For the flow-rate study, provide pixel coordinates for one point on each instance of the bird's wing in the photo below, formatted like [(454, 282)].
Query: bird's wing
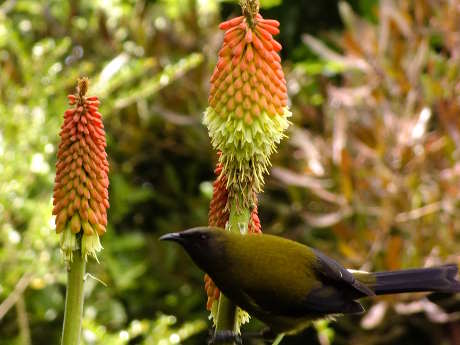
[(319, 303), (334, 293), (332, 273)]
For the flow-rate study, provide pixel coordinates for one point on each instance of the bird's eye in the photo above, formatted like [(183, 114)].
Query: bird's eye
[(203, 237)]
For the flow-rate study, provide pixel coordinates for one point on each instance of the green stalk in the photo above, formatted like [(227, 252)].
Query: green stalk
[(74, 301), (226, 313)]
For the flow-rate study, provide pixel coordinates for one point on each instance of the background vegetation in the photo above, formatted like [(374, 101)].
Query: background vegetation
[(370, 174)]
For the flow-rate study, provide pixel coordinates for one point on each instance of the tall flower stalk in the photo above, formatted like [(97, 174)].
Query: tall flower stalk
[(80, 198), (246, 119)]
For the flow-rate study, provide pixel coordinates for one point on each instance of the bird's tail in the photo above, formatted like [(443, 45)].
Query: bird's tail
[(434, 279)]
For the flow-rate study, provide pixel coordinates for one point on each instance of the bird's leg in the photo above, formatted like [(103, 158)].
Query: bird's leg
[(266, 334), (220, 337)]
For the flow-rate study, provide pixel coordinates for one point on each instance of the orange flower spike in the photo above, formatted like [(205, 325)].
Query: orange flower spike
[(80, 191), (247, 77)]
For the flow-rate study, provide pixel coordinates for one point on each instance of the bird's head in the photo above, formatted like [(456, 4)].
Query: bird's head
[(205, 245)]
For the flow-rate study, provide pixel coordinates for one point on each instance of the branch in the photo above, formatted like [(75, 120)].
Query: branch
[(418, 212), (19, 289), (23, 322)]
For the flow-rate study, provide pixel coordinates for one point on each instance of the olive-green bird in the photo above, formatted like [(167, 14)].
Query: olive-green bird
[(287, 285)]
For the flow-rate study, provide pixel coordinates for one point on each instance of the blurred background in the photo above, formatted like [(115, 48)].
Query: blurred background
[(370, 173)]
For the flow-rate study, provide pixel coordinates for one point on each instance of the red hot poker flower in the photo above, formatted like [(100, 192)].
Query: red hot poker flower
[(247, 113), (81, 184)]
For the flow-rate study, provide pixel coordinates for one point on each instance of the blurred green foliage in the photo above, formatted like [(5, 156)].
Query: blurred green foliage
[(374, 179)]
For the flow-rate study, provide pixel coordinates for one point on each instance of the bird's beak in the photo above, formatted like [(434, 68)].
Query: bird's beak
[(174, 236)]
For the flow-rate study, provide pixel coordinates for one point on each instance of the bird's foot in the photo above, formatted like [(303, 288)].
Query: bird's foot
[(266, 335), (220, 337)]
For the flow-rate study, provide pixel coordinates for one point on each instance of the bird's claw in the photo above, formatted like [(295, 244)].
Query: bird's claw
[(220, 337)]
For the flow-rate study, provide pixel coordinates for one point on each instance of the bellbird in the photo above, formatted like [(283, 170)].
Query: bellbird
[(288, 285)]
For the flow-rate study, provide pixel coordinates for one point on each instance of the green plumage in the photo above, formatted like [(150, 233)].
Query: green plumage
[(287, 285), (256, 271)]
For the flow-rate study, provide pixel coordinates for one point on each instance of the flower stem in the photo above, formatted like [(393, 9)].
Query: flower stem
[(250, 8), (226, 313), (74, 301)]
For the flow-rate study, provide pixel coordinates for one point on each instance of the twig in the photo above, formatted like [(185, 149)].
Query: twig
[(328, 219), (19, 289), (7, 7), (23, 321), (316, 186), (418, 212), (175, 118), (328, 54)]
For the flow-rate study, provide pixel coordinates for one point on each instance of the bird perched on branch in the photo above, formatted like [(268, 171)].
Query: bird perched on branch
[(288, 285)]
